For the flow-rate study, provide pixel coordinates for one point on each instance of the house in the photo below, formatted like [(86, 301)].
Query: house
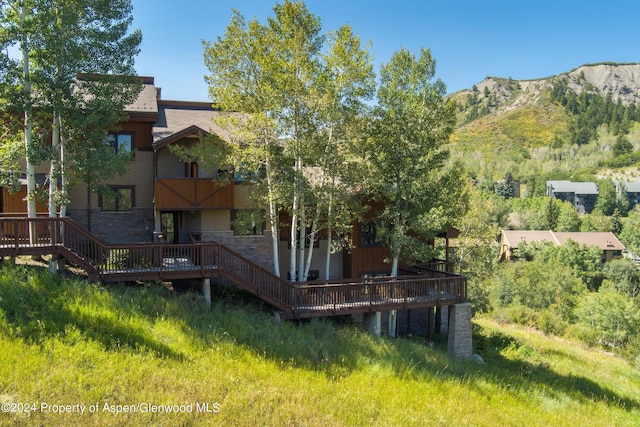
[(582, 195), (161, 197), (163, 201), (630, 189), (607, 242)]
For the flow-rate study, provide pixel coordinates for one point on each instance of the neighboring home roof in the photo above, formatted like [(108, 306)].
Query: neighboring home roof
[(513, 238), (573, 187), (630, 186), (603, 240), (607, 241), (177, 120)]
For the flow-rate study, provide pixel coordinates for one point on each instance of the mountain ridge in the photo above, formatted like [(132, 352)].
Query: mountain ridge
[(528, 128), (622, 80)]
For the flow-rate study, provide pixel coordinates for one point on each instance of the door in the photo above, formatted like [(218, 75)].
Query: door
[(170, 226)]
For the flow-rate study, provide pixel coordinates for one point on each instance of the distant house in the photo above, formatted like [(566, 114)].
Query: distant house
[(609, 244), (582, 195), (632, 190)]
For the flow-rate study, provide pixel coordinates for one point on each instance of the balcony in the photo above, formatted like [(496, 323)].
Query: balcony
[(192, 194)]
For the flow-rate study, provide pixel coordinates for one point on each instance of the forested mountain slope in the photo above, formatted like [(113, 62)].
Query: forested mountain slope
[(567, 124)]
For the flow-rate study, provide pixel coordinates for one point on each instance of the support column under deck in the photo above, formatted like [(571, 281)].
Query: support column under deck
[(460, 341), (372, 323), (392, 323), (442, 320), (206, 291)]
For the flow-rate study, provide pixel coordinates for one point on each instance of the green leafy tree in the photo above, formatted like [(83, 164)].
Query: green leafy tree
[(406, 158), (18, 31), (58, 40), (301, 101), (596, 221), (477, 248), (607, 201), (630, 234), (539, 284), (89, 38), (608, 317), (568, 218), (623, 275)]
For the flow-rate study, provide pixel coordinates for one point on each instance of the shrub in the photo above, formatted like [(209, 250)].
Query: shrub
[(523, 315), (551, 322)]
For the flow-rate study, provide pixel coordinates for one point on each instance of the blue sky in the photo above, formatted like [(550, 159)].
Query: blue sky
[(469, 39)]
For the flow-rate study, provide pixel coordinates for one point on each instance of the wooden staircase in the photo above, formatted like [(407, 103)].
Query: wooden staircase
[(62, 237)]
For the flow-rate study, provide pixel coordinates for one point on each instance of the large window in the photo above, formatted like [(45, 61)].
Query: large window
[(121, 142), (372, 234), (118, 199), (248, 222)]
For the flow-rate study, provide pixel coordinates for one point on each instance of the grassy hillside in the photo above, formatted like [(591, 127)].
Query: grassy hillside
[(67, 342)]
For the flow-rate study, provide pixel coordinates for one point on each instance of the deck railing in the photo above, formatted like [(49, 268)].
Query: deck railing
[(153, 261), (378, 294)]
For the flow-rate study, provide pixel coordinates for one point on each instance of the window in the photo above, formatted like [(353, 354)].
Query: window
[(372, 234), (248, 222), (118, 199), (120, 142)]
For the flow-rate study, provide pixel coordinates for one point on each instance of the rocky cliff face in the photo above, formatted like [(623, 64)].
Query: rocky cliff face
[(622, 81)]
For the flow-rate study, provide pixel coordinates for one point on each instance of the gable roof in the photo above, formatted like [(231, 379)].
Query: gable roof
[(607, 241), (177, 120), (603, 240), (513, 238), (573, 187)]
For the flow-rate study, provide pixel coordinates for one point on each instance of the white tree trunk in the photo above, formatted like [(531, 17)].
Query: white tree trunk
[(54, 167), (395, 247), (63, 176), (294, 231), (312, 238), (28, 120), (302, 243), (273, 217), (327, 261)]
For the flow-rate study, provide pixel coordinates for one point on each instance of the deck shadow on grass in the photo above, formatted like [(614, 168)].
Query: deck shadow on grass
[(337, 348), (39, 309), (42, 307)]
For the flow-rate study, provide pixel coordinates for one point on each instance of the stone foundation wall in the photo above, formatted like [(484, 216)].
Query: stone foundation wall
[(134, 226), (256, 248)]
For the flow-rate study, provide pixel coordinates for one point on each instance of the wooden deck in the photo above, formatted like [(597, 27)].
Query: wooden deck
[(156, 261)]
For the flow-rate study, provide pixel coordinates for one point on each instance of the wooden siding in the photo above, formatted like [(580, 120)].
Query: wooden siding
[(142, 134), (16, 202), (192, 194)]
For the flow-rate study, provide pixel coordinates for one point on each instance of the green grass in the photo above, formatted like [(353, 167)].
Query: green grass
[(64, 341)]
